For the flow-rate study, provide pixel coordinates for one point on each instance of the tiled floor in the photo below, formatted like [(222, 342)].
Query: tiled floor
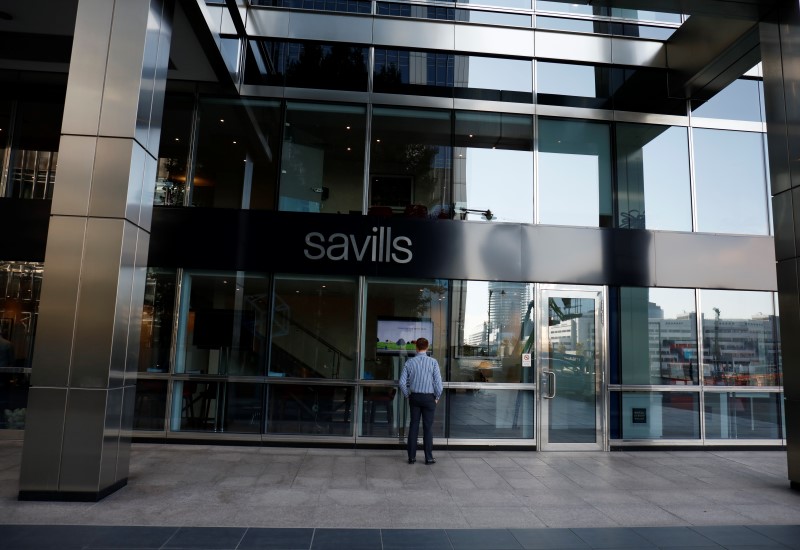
[(260, 497)]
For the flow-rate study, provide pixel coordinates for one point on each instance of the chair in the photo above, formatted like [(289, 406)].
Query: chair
[(374, 398)]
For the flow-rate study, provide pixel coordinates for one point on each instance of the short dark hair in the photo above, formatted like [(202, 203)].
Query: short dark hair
[(422, 344)]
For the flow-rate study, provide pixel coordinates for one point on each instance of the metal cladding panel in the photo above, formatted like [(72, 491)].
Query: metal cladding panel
[(268, 23), (136, 182), (148, 71), (494, 40), (775, 106), (82, 451), (98, 304), (715, 261), (87, 68), (160, 84), (790, 228), (790, 57), (123, 314), (75, 169), (137, 305), (639, 53), (419, 35), (44, 432), (428, 102), (562, 254), (126, 431), (111, 439), (784, 224), (793, 438), (123, 83), (572, 47), (327, 27), (148, 193), (117, 158), (52, 354), (789, 307)]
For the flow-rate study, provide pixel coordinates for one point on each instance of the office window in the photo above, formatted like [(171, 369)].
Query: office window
[(742, 99), (494, 78), (34, 148), (491, 414), (265, 62), (493, 167), (653, 187), (574, 166), (314, 327), (654, 415), (237, 150), (731, 184), (310, 409), (322, 159), (741, 345), (564, 7), (573, 85), (173, 150), (327, 66), (410, 163), (394, 9), (492, 326), (211, 406), (493, 18), (414, 72), (397, 314), (157, 320), (346, 6), (222, 326), (743, 415), (150, 406), (657, 337), (521, 4)]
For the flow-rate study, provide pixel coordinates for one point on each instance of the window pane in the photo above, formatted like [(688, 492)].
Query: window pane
[(570, 80), (310, 409), (265, 62), (572, 25), (658, 336), (493, 169), (494, 79), (223, 324), (574, 173), (741, 345), (493, 18), (522, 4), (419, 12), (314, 328), (414, 72), (34, 155), (743, 415), (383, 411), (316, 65), (740, 100), (173, 150), (322, 161), (157, 320), (491, 414), (20, 289), (236, 153), (563, 7), (217, 406), (151, 405), (399, 312), (645, 415), (492, 328), (410, 163), (653, 186), (730, 182), (13, 398), (646, 15)]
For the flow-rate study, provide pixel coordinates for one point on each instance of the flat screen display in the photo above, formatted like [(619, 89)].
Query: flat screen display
[(398, 336)]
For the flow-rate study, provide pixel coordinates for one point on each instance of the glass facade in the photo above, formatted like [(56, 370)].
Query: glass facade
[(435, 136)]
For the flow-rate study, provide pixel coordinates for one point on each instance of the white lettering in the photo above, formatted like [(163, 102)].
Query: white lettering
[(401, 249), (319, 247), (334, 246), (359, 253)]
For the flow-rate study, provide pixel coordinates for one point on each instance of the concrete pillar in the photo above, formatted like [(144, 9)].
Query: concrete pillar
[(80, 408), (780, 52)]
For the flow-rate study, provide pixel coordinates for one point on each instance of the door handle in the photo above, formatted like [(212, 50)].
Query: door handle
[(551, 385)]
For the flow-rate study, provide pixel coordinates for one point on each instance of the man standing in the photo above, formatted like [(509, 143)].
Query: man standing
[(421, 384)]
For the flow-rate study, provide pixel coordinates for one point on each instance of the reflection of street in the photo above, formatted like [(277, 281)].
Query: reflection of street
[(491, 414), (572, 420)]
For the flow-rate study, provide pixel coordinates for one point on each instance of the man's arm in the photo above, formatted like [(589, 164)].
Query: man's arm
[(404, 381), (438, 387)]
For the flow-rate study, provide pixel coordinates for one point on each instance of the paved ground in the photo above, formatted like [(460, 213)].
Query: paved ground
[(527, 499)]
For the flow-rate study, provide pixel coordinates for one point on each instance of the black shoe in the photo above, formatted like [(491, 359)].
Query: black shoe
[(412, 460), (430, 461)]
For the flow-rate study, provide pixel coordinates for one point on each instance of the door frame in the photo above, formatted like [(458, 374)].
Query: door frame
[(600, 294)]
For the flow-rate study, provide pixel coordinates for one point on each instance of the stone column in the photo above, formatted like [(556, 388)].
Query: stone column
[(83, 383), (780, 52)]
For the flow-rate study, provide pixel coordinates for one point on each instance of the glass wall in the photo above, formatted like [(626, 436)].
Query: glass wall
[(574, 166), (654, 415), (20, 289), (322, 161)]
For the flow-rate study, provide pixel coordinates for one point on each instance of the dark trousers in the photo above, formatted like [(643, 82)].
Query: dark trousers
[(424, 405)]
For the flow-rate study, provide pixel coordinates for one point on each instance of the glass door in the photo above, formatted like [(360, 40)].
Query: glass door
[(570, 366)]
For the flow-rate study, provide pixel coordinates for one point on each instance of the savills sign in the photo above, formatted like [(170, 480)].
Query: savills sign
[(379, 247)]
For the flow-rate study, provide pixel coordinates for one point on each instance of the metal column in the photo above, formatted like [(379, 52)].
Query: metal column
[(80, 410)]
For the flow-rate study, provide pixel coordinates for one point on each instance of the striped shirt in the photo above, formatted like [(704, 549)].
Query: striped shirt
[(421, 375)]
